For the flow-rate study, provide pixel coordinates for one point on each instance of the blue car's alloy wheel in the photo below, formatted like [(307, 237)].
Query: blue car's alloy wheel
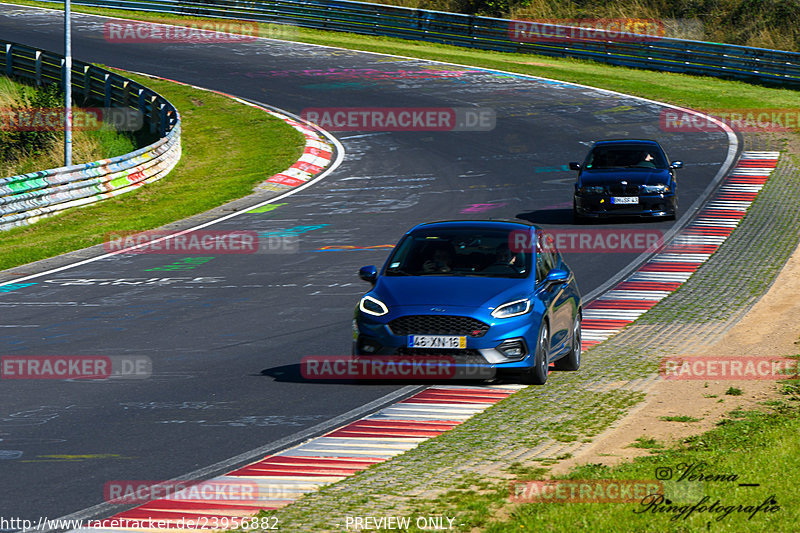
[(537, 375), (572, 361)]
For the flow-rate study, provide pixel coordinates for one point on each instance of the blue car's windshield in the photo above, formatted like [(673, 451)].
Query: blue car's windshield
[(626, 156), (459, 252)]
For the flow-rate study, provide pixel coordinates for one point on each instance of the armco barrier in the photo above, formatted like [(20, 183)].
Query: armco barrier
[(655, 53), (26, 198)]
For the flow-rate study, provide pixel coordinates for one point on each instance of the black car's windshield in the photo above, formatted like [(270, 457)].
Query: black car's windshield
[(459, 252), (626, 156)]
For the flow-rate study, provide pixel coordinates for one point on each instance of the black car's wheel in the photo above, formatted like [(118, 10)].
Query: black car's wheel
[(572, 361), (537, 374), (577, 218)]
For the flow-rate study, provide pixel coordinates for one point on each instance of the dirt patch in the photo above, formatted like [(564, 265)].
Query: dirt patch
[(770, 328)]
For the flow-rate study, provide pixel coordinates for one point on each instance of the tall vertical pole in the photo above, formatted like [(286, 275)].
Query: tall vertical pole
[(67, 86)]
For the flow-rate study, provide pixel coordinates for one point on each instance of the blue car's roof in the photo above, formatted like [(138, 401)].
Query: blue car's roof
[(509, 225)]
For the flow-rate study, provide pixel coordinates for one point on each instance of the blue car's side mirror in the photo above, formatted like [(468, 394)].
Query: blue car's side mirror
[(676, 164), (368, 273), (574, 166), (556, 277)]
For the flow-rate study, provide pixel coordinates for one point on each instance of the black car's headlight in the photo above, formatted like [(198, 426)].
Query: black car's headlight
[(655, 189), (591, 190), (372, 306), (510, 309)]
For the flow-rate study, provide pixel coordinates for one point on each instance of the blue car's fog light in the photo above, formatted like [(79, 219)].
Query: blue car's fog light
[(513, 349), (368, 346)]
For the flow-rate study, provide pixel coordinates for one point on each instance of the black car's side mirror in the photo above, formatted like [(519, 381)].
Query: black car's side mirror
[(574, 166), (676, 164), (368, 273)]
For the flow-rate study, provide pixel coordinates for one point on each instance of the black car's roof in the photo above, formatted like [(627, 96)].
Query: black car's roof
[(612, 142)]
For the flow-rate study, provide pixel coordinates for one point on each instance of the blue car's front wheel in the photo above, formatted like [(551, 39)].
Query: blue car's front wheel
[(572, 361), (537, 374)]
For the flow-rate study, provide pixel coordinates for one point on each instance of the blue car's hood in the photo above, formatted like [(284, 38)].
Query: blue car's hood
[(454, 291), (634, 176)]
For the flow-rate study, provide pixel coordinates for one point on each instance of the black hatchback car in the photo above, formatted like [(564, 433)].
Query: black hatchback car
[(625, 178)]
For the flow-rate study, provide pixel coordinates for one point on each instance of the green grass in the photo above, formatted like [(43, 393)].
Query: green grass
[(681, 418), (752, 445), (227, 148), (87, 144), (746, 447)]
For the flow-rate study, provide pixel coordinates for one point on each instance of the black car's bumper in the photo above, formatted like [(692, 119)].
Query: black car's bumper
[(655, 205)]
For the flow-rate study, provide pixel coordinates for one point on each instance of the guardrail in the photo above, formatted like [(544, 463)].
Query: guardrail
[(652, 52), (26, 198)]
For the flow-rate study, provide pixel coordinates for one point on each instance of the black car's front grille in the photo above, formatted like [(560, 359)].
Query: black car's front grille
[(438, 325), (618, 189)]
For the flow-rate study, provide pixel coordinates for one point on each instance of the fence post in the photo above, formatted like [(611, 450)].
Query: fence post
[(107, 90), (87, 82), (9, 59), (38, 67)]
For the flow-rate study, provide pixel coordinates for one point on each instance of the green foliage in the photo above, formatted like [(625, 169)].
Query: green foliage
[(16, 142), (112, 142)]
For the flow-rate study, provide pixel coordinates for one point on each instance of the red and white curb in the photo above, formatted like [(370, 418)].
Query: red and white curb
[(672, 266), (317, 152), (316, 156), (284, 477)]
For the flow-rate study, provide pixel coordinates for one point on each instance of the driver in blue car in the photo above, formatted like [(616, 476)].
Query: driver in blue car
[(442, 260)]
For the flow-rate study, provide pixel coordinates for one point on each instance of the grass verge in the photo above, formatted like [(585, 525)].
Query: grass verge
[(87, 145), (227, 148), (748, 447)]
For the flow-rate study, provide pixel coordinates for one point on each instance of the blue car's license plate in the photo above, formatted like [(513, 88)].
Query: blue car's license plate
[(446, 342)]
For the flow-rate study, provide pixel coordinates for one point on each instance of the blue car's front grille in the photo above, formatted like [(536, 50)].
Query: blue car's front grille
[(438, 325), (462, 356)]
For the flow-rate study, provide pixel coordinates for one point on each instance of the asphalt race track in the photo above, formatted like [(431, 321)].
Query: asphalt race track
[(225, 338)]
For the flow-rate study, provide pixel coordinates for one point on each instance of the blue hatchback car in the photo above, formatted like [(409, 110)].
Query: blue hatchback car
[(488, 293)]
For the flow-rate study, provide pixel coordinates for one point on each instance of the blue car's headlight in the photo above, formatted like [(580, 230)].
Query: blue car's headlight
[(655, 189), (372, 306), (515, 308), (591, 190)]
